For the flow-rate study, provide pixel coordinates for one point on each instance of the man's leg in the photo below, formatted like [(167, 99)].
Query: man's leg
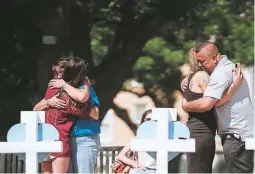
[(87, 151), (238, 159)]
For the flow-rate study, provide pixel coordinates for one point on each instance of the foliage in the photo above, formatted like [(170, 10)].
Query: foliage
[(159, 68), (145, 40), (231, 23)]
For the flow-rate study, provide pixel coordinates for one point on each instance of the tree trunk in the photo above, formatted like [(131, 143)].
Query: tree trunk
[(54, 23), (129, 40), (111, 74), (80, 32)]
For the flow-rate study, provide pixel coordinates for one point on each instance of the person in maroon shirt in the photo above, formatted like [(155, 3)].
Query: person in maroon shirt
[(63, 118)]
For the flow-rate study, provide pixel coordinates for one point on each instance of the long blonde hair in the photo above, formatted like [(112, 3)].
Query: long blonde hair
[(194, 66)]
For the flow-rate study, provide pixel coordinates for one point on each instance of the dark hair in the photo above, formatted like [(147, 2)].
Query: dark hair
[(201, 45), (61, 63), (75, 71), (145, 114)]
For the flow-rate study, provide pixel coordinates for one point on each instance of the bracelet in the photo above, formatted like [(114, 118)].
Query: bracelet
[(48, 104), (62, 88)]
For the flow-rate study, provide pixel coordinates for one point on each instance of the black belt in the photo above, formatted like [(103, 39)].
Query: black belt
[(230, 136)]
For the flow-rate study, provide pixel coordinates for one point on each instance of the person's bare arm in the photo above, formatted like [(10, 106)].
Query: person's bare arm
[(226, 96), (74, 108), (78, 95), (94, 114), (184, 84), (124, 159), (203, 80), (200, 105), (237, 81), (41, 106), (54, 102), (219, 81)]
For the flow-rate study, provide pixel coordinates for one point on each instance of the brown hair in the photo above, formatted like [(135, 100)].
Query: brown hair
[(61, 63), (145, 114), (75, 71)]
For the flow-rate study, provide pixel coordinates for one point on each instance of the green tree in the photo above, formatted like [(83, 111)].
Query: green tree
[(231, 25), (145, 40)]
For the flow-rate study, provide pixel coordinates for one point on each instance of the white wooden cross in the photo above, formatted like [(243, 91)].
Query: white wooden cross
[(31, 147), (250, 144), (162, 145)]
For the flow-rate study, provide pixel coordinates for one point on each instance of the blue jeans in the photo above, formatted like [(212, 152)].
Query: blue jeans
[(84, 151), (144, 170)]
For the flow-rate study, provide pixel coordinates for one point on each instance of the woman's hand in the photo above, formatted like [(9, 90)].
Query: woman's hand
[(54, 102), (94, 114), (56, 83), (184, 84), (237, 77), (115, 165)]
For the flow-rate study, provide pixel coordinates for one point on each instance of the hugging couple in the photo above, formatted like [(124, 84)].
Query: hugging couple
[(72, 107), (217, 98)]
